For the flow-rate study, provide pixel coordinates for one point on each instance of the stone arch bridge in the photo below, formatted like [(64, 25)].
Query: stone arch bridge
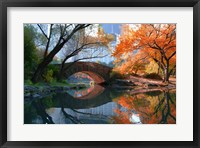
[(98, 72)]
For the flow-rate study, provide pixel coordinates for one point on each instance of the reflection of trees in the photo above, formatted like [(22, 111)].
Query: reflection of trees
[(40, 109), (75, 119), (151, 109), (122, 117), (41, 106), (68, 116), (29, 113), (166, 111), (78, 121)]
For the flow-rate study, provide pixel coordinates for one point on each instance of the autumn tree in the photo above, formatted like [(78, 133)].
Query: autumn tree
[(157, 42), (56, 35), (131, 64)]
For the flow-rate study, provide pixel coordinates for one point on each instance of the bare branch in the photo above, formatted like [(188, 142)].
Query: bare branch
[(42, 31), (48, 41)]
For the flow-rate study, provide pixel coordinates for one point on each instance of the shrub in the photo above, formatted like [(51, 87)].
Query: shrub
[(55, 70), (51, 73), (28, 82), (64, 81), (49, 76), (115, 75)]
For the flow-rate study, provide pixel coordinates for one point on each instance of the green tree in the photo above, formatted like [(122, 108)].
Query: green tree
[(30, 52)]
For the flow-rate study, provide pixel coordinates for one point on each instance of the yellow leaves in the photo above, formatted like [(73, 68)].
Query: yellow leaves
[(110, 37), (103, 38), (152, 67)]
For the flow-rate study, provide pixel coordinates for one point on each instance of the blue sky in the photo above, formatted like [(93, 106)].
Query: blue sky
[(111, 28)]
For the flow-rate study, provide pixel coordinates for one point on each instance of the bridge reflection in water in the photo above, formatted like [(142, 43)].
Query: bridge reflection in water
[(87, 93), (99, 105)]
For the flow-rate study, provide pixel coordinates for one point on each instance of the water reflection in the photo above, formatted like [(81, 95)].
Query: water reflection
[(87, 93), (147, 108), (99, 105)]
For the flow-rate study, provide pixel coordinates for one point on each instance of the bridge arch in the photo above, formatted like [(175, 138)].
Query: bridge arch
[(99, 73)]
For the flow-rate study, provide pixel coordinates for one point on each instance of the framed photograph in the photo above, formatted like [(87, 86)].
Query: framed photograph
[(104, 73)]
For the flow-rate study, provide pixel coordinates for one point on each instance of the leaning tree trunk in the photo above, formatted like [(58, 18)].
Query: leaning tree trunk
[(45, 62), (39, 70)]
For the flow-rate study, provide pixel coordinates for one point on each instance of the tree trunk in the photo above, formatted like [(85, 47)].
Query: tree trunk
[(61, 71), (166, 72), (158, 70), (39, 71), (45, 62)]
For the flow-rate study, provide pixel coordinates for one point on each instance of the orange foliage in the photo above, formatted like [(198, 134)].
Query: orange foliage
[(150, 109), (147, 42), (104, 38), (122, 117)]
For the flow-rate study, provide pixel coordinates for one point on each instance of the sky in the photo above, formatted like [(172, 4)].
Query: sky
[(111, 28), (114, 29)]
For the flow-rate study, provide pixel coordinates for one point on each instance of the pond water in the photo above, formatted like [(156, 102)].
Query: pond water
[(100, 105)]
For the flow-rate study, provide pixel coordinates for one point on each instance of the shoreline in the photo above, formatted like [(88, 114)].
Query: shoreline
[(41, 91)]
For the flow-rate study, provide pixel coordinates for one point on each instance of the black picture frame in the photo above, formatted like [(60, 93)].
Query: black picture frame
[(4, 4)]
